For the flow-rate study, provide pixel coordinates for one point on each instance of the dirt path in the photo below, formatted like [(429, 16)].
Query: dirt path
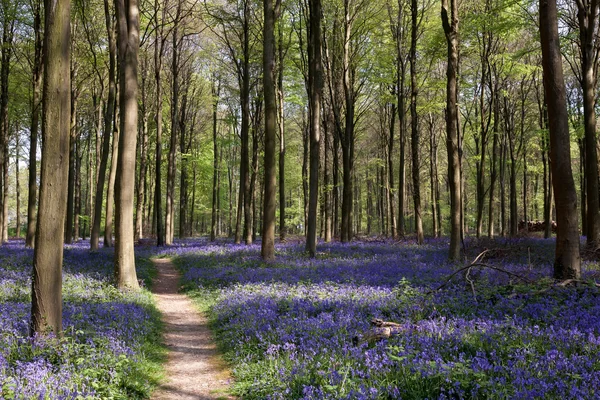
[(194, 369)]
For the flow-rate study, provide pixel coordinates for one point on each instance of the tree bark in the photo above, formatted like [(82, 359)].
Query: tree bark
[(281, 125), (35, 113), (141, 187), (171, 167), (588, 21), (110, 198), (271, 12), (108, 128), (215, 103), (315, 83), (158, 53), (71, 182), (414, 123), (567, 262), (46, 294), (128, 45), (449, 14)]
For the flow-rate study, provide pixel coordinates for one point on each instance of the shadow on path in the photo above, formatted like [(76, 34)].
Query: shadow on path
[(194, 370)]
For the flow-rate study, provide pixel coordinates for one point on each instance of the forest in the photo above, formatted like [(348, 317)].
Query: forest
[(358, 199)]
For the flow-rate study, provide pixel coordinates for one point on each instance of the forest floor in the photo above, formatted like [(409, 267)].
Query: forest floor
[(194, 369)]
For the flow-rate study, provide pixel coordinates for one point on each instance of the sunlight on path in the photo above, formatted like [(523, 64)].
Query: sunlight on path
[(193, 369)]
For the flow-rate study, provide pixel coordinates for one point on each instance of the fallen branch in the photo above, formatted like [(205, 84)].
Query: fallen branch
[(480, 265)]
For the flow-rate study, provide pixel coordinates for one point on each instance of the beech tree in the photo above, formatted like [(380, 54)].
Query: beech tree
[(450, 24), (315, 84), (46, 293), (128, 45), (567, 262)]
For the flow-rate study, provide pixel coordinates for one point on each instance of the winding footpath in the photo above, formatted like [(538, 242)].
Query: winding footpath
[(194, 369)]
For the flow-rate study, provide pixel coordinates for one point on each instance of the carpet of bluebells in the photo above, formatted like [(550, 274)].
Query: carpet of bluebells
[(287, 327), (109, 349)]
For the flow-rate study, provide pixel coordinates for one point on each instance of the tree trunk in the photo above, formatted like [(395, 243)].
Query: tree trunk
[(567, 262), (71, 183), (77, 199), (449, 15), (7, 40), (215, 104), (414, 123), (245, 105), (143, 145), (110, 198), (171, 168), (158, 53), (35, 113), (270, 178), (494, 159), (326, 188), (128, 45), (315, 83), (588, 15), (281, 125), (18, 187), (305, 169), (46, 294), (109, 115)]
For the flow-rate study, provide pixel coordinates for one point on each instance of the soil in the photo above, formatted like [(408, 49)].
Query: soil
[(194, 369)]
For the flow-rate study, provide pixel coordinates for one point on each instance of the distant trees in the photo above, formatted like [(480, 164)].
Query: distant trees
[(344, 107)]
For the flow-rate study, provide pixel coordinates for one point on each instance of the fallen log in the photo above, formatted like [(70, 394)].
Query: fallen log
[(381, 330)]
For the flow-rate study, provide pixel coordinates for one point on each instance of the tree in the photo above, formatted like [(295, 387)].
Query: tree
[(35, 118), (449, 15), (587, 14), (271, 13), (128, 45), (109, 112), (46, 293), (567, 261), (315, 83), (414, 123)]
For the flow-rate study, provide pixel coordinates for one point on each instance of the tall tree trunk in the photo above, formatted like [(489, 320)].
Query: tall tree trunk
[(270, 180), (315, 83), (567, 262), (46, 293), (35, 113), (449, 15), (18, 187), (215, 104), (433, 174), (8, 29), (143, 145), (390, 166), (494, 159), (588, 20), (109, 115), (326, 188), (128, 45), (245, 133), (171, 168), (281, 117), (158, 53), (71, 183), (414, 123), (305, 169), (110, 198), (77, 199)]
